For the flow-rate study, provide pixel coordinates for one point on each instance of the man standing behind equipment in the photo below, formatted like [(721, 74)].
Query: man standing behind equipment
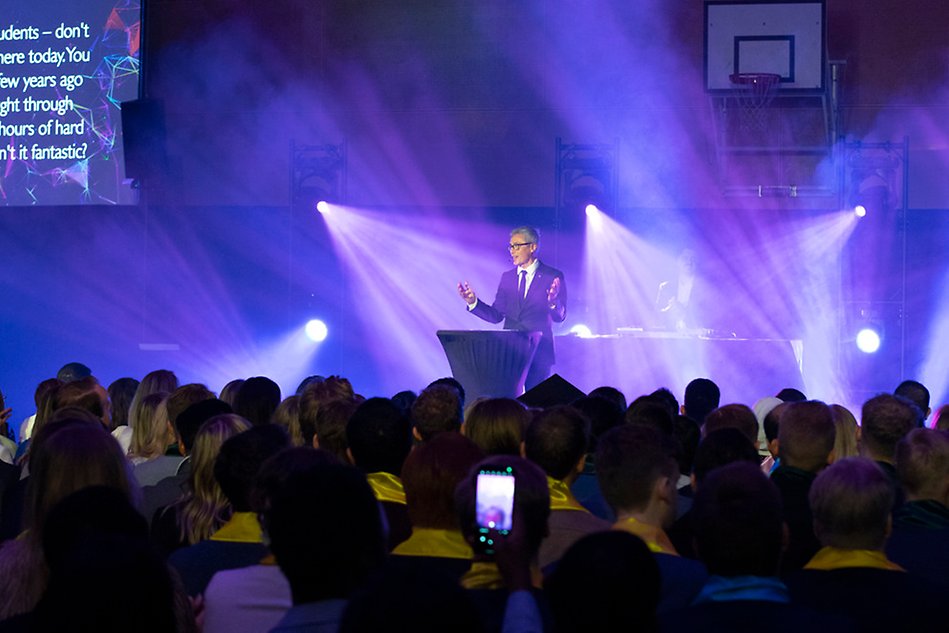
[(530, 297)]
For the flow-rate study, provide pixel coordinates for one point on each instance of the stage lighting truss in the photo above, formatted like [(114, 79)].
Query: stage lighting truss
[(317, 172), (586, 173)]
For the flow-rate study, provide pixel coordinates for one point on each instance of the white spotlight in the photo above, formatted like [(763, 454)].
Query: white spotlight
[(860, 211), (868, 340), (591, 210), (323, 207), (316, 330), (581, 330)]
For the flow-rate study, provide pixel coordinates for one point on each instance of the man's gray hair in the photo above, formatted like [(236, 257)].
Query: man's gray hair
[(532, 236)]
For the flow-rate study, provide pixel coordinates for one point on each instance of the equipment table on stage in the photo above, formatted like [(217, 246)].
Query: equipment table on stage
[(638, 362)]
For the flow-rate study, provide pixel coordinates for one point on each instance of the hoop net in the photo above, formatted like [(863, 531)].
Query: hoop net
[(754, 93)]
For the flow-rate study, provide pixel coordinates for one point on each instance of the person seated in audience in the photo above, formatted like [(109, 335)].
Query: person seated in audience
[(917, 393), (438, 409), (379, 436), (920, 538), (85, 393), (604, 414), (716, 449), (314, 395), (735, 416), (326, 533), (612, 394), (452, 382), (791, 394), (851, 502), (238, 542), (257, 399), (884, 421), (651, 412), (330, 427), (701, 397), (941, 420), (287, 415), (201, 508), (557, 440), (151, 432), (846, 440), (806, 435), (66, 456), (430, 475), (637, 471), (762, 408), (497, 425), (404, 400), (166, 464), (739, 535), (256, 597), (121, 392), (605, 582), (167, 490), (95, 541), (229, 392), (43, 399), (513, 567)]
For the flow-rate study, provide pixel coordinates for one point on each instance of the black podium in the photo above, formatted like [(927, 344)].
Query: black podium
[(490, 363)]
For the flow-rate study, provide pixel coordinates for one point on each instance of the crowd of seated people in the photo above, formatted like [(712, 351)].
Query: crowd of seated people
[(149, 505)]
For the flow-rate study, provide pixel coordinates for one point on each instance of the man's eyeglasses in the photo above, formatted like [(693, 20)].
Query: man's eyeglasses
[(514, 247)]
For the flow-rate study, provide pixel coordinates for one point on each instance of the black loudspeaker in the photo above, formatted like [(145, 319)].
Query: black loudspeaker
[(144, 138), (553, 391)]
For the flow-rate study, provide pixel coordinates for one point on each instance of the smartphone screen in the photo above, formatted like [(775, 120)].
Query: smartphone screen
[(494, 505)]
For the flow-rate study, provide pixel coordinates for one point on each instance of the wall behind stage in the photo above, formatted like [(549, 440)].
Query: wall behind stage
[(459, 103)]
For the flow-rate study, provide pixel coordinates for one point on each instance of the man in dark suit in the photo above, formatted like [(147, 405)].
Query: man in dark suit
[(530, 297)]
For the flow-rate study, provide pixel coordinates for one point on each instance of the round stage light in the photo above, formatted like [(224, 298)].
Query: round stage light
[(581, 330), (860, 211), (591, 210), (323, 206), (868, 340), (316, 330)]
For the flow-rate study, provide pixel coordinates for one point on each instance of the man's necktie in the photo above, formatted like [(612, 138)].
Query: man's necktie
[(521, 286)]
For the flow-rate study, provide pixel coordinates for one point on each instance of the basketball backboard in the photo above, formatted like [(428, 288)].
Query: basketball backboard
[(784, 38)]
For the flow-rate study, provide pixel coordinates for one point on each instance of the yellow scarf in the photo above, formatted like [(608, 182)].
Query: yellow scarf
[(482, 576), (435, 543), (386, 487), (242, 528), (561, 498), (655, 538), (836, 558)]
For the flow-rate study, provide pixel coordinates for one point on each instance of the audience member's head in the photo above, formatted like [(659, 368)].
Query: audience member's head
[(430, 475), (739, 525), (772, 423), (85, 393), (650, 412), (240, 458), (790, 394), (603, 413), (287, 415), (71, 372), (667, 398), (151, 432), (330, 430), (557, 440), (922, 463), (612, 394), (185, 396), (44, 397), (884, 421), (701, 397), (851, 502), (436, 410), (734, 416), (315, 394), (121, 392), (309, 380), (720, 448), (845, 442), (257, 399), (531, 499), (379, 436), (94, 539), (449, 381), (497, 425), (762, 408), (158, 381), (806, 435), (230, 390), (917, 393), (616, 579), (404, 400), (941, 423), (324, 525), (637, 470), (190, 420), (204, 507)]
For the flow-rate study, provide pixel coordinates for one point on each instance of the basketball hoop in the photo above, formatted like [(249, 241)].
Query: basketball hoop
[(754, 93)]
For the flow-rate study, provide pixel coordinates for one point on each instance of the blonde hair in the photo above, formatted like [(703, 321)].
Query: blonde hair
[(845, 442), (203, 508), (287, 415), (151, 431)]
